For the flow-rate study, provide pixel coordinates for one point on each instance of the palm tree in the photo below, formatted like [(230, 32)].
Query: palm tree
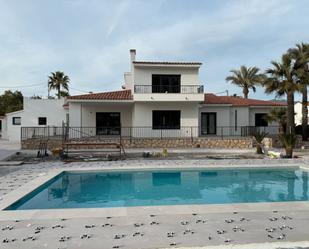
[(247, 78), (288, 142), (281, 80), (259, 136), (58, 80), (278, 114), (301, 56)]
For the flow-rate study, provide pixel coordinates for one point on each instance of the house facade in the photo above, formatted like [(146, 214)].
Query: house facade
[(158, 99), (35, 113), (157, 96), (235, 115)]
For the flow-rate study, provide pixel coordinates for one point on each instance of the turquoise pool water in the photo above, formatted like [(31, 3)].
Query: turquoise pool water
[(147, 188)]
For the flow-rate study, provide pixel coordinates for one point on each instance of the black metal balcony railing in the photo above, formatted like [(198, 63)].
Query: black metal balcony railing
[(186, 89)]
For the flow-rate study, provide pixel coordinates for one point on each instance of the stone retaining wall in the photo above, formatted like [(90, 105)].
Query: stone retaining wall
[(225, 143)]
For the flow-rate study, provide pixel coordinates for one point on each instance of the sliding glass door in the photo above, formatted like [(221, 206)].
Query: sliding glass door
[(208, 123)]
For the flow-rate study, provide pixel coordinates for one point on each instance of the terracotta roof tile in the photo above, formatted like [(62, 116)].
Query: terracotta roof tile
[(210, 98), (168, 63), (115, 95)]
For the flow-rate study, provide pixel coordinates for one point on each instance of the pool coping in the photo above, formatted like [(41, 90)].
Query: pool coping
[(42, 178)]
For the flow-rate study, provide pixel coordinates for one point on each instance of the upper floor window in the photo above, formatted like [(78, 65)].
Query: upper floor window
[(162, 83), (42, 120), (16, 121)]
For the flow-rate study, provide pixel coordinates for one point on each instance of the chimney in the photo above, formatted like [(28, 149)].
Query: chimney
[(132, 54)]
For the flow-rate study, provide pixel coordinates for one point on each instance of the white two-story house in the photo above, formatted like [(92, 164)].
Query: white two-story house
[(157, 97)]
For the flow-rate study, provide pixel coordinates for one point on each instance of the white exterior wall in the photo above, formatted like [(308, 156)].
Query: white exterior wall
[(245, 117), (143, 75), (298, 113), (223, 117), (223, 114), (84, 115), (242, 116), (89, 113), (226, 118), (242, 119), (128, 81), (75, 114), (142, 114), (254, 110), (52, 109), (189, 76)]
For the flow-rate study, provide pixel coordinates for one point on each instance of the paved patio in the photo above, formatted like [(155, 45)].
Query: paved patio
[(8, 149), (156, 228)]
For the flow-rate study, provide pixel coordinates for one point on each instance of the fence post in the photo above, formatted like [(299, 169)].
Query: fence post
[(221, 132), (191, 135), (120, 138), (130, 134), (161, 133)]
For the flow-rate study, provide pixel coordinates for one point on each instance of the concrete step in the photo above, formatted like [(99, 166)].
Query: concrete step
[(11, 163)]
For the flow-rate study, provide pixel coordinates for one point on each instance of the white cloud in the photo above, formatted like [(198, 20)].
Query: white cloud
[(90, 40)]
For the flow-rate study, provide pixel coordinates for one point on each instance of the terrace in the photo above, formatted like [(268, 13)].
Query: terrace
[(133, 227)]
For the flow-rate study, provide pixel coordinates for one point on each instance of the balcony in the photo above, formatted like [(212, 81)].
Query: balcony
[(180, 89)]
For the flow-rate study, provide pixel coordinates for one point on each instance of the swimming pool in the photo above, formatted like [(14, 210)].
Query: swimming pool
[(89, 189)]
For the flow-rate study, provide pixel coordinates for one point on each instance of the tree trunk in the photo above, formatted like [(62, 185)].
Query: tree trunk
[(304, 114), (290, 124), (245, 92)]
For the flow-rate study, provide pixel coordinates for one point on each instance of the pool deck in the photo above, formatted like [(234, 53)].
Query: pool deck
[(279, 225)]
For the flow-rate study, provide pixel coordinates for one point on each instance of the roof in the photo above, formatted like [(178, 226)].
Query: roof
[(211, 98), (13, 113), (168, 63), (115, 95)]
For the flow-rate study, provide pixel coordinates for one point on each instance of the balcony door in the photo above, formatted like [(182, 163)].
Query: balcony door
[(165, 83), (108, 123), (208, 123)]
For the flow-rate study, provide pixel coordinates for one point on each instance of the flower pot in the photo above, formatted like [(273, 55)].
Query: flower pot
[(259, 149), (289, 152)]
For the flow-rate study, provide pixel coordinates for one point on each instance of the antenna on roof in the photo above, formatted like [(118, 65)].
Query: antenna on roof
[(225, 91)]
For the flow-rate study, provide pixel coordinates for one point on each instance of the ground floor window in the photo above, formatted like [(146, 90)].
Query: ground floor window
[(261, 119), (42, 120), (166, 119), (16, 120), (108, 123)]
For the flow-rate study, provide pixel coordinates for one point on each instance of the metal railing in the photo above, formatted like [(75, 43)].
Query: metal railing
[(185, 89), (67, 133)]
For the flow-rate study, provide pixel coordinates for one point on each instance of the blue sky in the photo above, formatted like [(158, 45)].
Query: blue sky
[(90, 39)]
